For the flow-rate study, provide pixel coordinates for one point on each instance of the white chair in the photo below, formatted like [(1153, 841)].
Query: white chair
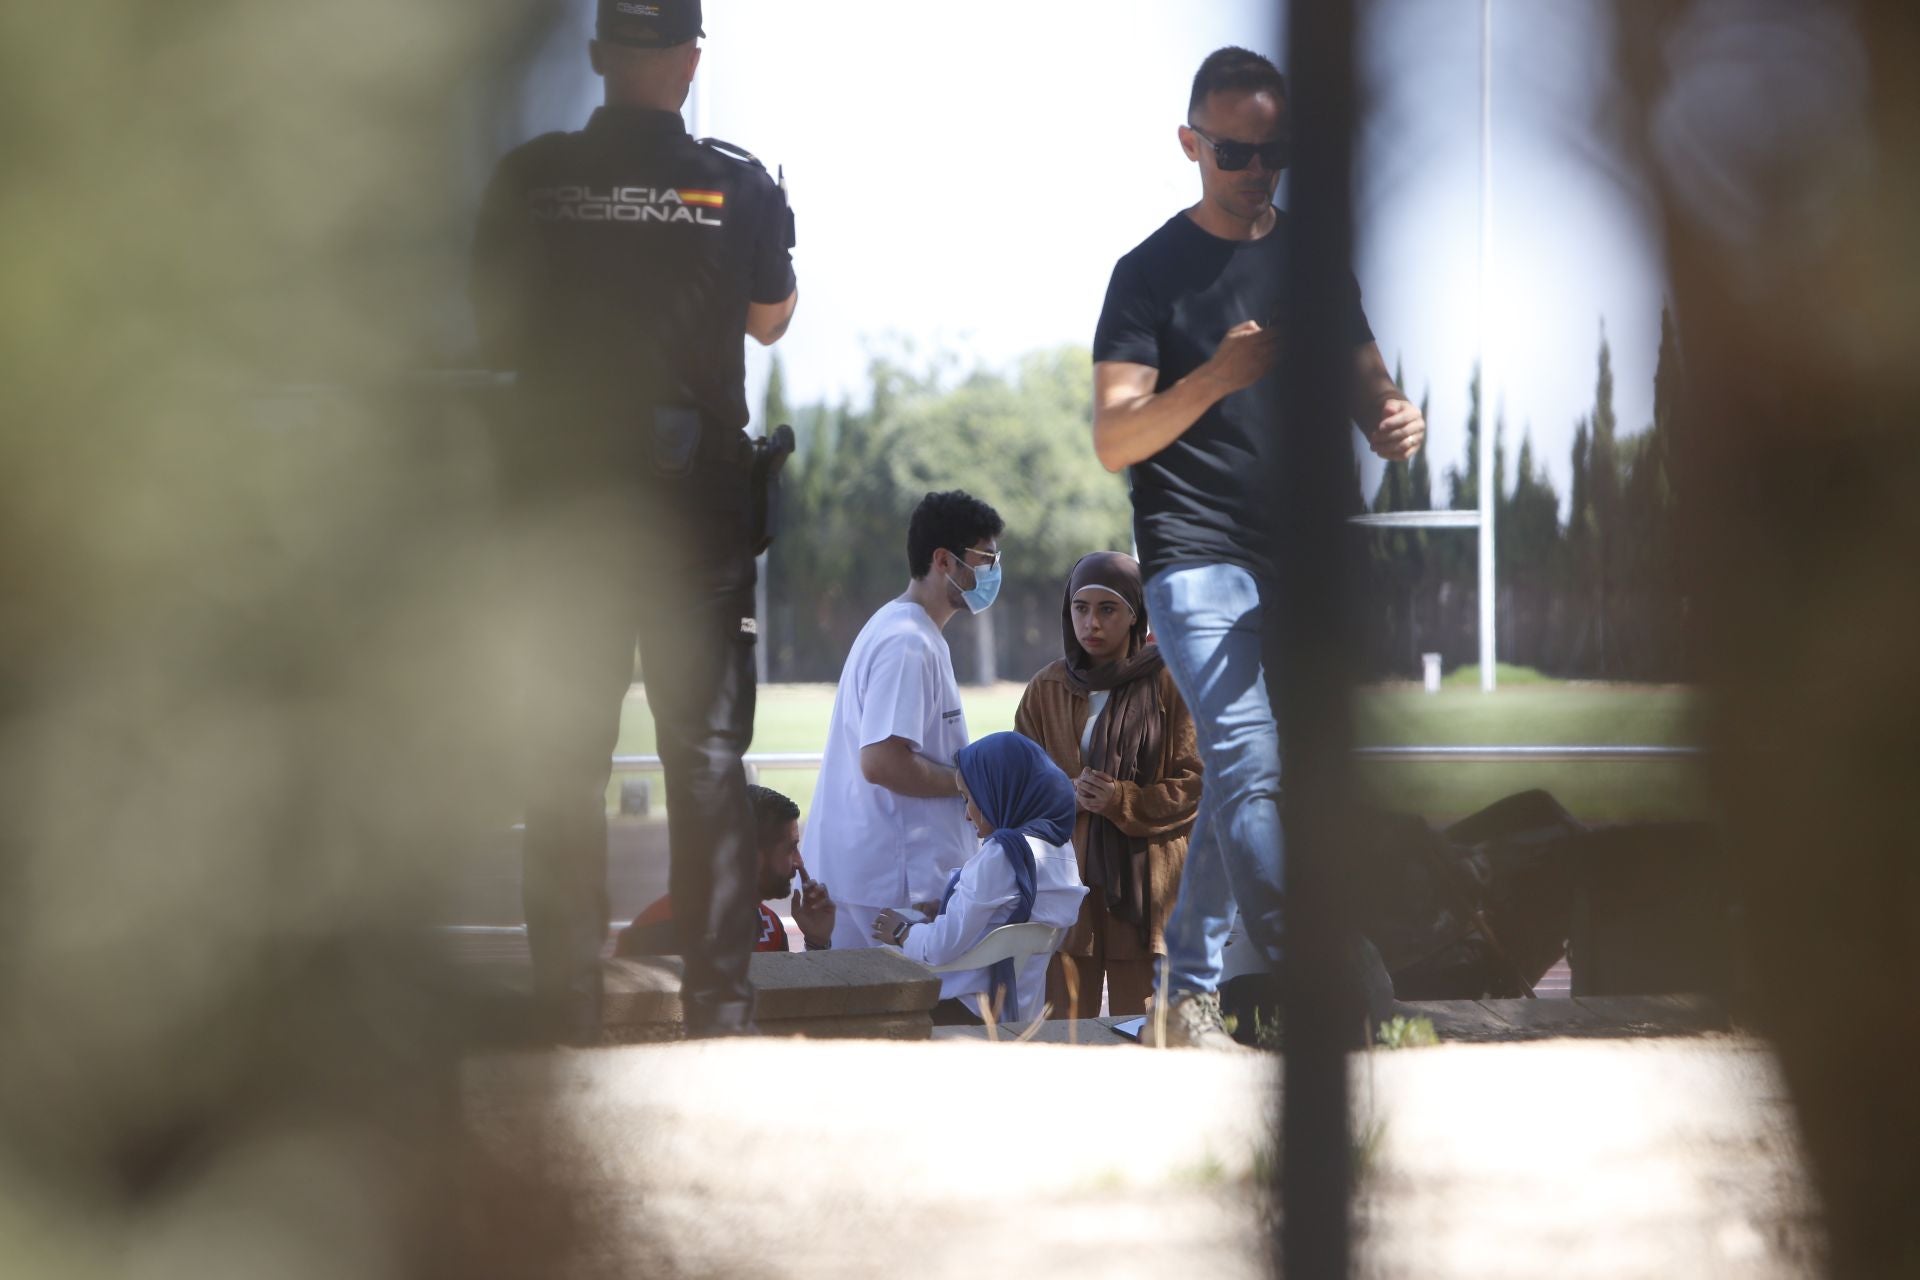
[(1007, 942)]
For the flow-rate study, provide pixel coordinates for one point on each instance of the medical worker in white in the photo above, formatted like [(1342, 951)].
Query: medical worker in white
[(1023, 808), (888, 827)]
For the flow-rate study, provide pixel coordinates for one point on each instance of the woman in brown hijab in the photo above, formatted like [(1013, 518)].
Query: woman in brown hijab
[(1109, 716)]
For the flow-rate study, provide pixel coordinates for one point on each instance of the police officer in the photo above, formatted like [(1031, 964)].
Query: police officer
[(618, 270)]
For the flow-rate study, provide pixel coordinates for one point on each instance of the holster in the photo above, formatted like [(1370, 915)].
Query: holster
[(770, 454)]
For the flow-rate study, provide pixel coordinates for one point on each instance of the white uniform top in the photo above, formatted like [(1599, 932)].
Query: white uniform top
[(983, 899), (875, 847)]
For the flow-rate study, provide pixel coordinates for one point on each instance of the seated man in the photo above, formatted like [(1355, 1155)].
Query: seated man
[(776, 828), (1022, 806)]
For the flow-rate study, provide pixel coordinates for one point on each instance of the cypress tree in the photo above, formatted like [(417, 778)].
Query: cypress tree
[(1419, 478), (1662, 550), (1500, 490), (1580, 513), (1573, 578), (1463, 483), (1399, 563), (1534, 528), (1509, 551), (774, 408), (1603, 488)]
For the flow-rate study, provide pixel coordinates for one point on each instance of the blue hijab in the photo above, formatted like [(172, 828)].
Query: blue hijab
[(1021, 793)]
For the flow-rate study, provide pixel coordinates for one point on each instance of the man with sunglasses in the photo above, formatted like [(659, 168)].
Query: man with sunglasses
[(888, 824), (1185, 397)]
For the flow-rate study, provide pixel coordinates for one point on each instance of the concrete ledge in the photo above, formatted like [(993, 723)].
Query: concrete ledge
[(1466, 1021), (1583, 1017), (873, 993), (1094, 1032), (896, 1026)]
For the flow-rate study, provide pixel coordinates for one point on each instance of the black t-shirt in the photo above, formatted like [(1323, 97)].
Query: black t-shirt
[(613, 267), (1171, 301)]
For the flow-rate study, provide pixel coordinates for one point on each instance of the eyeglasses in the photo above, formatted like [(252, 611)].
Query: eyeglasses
[(993, 557), (1234, 156)]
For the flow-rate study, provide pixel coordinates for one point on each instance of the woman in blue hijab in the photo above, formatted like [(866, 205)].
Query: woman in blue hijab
[(1022, 806)]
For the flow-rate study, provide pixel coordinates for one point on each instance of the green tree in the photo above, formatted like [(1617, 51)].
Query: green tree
[(1500, 489), (774, 409), (1463, 482), (1576, 573), (1419, 477), (1603, 493), (1024, 444), (1019, 440), (1649, 598), (1451, 596), (1528, 551), (1580, 511), (1530, 523), (1669, 382), (1671, 552), (1398, 565)]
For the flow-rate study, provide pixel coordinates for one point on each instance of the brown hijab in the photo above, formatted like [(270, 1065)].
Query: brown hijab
[(1127, 739)]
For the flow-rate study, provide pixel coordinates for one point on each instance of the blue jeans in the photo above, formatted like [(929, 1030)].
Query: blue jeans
[(1208, 619)]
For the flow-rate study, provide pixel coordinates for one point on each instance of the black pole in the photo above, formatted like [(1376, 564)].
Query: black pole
[(1312, 644)]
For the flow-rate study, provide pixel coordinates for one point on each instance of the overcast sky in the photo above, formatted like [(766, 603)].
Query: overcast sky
[(966, 176)]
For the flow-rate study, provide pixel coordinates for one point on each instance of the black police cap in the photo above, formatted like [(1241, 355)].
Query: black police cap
[(649, 24)]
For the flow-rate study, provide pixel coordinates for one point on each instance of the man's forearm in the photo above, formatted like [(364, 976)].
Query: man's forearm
[(1373, 386), (1133, 430), (905, 772), (767, 322), (1370, 398), (921, 777)]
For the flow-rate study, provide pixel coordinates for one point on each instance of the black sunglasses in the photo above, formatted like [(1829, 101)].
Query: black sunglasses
[(1234, 156)]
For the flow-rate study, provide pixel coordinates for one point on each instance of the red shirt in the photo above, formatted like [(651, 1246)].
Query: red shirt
[(651, 933)]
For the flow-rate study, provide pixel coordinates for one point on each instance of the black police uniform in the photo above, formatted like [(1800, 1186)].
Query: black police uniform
[(613, 268)]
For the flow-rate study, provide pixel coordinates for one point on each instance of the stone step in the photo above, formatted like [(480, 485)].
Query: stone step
[(1463, 1021), (874, 993)]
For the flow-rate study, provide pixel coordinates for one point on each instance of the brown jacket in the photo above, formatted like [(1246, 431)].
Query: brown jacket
[(1053, 713)]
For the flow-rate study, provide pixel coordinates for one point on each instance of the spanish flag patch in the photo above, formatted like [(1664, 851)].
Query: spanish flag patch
[(711, 199)]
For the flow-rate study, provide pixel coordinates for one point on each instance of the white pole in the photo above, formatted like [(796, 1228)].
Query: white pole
[(1487, 394)]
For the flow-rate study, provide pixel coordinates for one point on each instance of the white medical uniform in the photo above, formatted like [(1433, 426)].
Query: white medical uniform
[(983, 899), (873, 847)]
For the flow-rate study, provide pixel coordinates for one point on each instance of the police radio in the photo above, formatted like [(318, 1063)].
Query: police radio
[(747, 157)]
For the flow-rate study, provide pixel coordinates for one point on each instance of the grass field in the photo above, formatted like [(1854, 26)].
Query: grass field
[(1528, 709), (1546, 713), (793, 717)]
